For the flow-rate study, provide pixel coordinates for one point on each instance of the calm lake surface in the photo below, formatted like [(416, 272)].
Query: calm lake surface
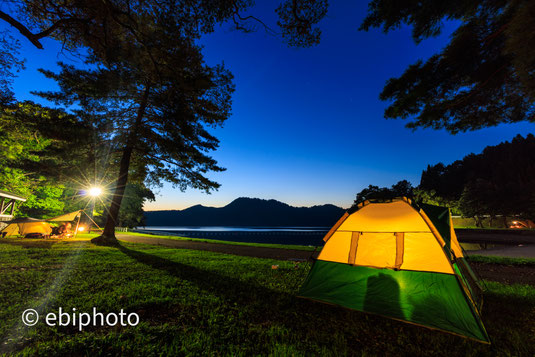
[(234, 229), (273, 235)]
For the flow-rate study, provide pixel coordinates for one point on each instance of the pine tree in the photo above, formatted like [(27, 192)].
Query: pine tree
[(157, 105), (482, 78)]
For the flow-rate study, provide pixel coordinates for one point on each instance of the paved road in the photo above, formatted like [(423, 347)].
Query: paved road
[(244, 250)]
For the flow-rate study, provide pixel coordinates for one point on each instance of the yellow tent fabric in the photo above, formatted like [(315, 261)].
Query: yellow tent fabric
[(35, 227), (399, 260), (24, 228), (417, 245), (11, 230), (68, 217)]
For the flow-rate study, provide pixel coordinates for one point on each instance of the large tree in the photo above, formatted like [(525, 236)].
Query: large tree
[(156, 103), (485, 75), (150, 88)]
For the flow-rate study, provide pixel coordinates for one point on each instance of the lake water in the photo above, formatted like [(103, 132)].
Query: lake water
[(234, 229), (272, 235)]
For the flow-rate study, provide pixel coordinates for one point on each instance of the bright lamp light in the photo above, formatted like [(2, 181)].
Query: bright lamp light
[(95, 191)]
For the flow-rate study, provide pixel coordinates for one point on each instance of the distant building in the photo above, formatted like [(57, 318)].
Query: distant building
[(7, 206)]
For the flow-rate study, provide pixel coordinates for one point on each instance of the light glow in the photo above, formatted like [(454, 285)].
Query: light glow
[(95, 191), (81, 229)]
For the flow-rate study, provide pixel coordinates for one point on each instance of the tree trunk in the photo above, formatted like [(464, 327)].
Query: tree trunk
[(504, 217), (108, 236), (478, 221)]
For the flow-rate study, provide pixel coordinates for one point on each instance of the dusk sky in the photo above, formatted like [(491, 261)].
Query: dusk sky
[(307, 126)]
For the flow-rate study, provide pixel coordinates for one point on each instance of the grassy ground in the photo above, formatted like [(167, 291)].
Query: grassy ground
[(264, 245), (202, 303), (500, 260)]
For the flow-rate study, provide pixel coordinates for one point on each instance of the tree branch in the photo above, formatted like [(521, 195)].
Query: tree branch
[(55, 26), (34, 38), (236, 14), (22, 29)]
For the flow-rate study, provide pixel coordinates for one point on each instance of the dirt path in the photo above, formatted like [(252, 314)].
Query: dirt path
[(507, 274)]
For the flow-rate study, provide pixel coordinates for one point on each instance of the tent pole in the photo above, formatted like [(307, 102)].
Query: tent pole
[(92, 220), (77, 224)]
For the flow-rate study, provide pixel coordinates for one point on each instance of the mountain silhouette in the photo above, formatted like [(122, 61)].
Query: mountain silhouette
[(244, 212)]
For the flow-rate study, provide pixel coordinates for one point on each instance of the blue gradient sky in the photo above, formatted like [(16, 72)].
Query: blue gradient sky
[(307, 126)]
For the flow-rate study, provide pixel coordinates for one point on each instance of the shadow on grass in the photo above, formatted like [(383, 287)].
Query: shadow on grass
[(259, 307), (224, 287), (305, 322), (316, 325), (238, 314)]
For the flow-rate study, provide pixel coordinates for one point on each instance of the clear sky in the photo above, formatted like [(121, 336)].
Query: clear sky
[(307, 125)]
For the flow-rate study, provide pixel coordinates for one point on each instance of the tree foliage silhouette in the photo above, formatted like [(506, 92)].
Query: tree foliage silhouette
[(401, 189), (482, 78), (499, 181)]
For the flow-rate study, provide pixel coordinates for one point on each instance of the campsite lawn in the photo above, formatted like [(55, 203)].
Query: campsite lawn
[(501, 260), (203, 303)]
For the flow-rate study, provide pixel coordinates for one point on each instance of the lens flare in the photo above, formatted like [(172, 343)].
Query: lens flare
[(95, 191)]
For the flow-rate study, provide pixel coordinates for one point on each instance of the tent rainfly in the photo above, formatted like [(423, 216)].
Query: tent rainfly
[(401, 261), (23, 226), (68, 217)]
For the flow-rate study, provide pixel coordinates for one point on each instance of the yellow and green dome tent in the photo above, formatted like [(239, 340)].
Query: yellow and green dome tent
[(401, 261)]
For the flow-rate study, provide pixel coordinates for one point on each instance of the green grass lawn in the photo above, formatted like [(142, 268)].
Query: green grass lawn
[(204, 240), (202, 303), (500, 260)]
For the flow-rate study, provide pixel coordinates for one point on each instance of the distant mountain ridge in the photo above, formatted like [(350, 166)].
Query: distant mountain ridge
[(245, 211)]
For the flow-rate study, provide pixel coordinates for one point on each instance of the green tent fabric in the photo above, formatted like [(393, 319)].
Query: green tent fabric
[(440, 216), (384, 279)]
